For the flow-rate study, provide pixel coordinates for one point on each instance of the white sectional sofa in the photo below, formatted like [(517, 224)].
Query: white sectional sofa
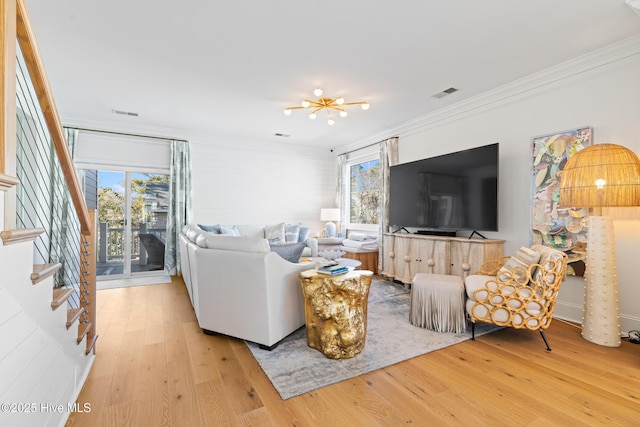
[(239, 287)]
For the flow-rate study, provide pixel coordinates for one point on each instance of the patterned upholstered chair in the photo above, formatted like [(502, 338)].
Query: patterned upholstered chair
[(518, 291)]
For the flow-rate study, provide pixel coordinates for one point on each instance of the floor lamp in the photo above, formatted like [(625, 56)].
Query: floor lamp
[(602, 175)]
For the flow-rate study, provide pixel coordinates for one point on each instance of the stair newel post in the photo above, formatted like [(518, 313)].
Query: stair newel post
[(88, 282)]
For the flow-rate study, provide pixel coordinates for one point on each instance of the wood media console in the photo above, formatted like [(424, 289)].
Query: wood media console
[(405, 255)]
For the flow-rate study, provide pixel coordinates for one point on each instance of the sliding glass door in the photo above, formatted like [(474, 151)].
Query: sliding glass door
[(132, 219)]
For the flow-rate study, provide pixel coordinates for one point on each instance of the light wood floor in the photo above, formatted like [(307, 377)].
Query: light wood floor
[(154, 367)]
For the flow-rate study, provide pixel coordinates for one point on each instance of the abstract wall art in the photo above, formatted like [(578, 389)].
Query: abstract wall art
[(560, 228)]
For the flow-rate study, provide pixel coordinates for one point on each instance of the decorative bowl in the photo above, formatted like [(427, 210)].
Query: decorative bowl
[(331, 254)]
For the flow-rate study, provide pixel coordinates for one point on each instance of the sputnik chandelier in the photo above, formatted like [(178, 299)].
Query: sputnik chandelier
[(327, 104)]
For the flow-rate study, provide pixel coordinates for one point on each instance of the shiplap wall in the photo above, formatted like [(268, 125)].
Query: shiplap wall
[(244, 182)]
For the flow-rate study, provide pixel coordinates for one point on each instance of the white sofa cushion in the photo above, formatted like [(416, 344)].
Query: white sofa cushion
[(233, 243), (248, 230), (192, 232), (251, 230)]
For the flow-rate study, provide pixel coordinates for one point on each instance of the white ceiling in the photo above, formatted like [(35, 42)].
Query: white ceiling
[(229, 68)]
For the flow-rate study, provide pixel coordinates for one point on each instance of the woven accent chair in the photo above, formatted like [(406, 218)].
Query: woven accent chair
[(517, 292)]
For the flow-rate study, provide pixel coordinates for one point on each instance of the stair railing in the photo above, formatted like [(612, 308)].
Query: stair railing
[(49, 195)]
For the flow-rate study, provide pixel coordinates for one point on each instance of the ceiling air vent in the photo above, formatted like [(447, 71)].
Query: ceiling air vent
[(444, 92), (125, 113)]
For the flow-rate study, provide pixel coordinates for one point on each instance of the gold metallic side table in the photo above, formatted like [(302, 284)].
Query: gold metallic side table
[(335, 310)]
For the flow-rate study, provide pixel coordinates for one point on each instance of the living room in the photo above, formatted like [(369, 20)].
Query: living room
[(558, 98), (238, 179)]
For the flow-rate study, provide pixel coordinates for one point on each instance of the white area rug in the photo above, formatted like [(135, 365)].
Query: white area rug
[(294, 368)]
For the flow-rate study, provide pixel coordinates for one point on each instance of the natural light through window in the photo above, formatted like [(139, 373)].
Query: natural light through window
[(364, 193)]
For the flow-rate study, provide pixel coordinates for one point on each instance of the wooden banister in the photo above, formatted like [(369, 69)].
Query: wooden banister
[(8, 105), (7, 84), (27, 41)]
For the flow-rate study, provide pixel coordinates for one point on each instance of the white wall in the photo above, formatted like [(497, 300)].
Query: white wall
[(40, 359), (245, 182), (600, 90)]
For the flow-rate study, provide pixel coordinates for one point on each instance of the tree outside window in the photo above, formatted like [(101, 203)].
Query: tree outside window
[(364, 197), (111, 201)]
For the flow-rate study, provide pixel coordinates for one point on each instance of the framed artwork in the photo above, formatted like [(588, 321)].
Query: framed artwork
[(564, 229)]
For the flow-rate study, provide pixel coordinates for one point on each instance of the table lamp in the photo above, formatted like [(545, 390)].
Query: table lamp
[(602, 175), (331, 214)]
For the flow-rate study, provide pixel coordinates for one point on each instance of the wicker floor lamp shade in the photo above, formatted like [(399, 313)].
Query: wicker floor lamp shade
[(602, 175), (618, 166)]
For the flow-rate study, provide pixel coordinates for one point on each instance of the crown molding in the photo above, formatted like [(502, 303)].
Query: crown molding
[(507, 93)]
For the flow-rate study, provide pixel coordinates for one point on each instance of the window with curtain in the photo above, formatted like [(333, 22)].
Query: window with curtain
[(364, 191)]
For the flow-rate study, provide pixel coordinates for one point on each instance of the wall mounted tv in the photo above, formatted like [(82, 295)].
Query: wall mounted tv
[(444, 194)]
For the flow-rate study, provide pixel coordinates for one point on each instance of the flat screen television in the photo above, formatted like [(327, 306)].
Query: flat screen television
[(448, 193)]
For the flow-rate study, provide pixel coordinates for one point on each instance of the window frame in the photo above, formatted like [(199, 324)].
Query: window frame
[(363, 156)]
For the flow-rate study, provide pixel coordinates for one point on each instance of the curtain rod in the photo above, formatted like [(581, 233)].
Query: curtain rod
[(366, 146), (125, 134), (358, 149)]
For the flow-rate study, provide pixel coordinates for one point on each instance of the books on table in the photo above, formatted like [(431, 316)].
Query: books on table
[(332, 269)]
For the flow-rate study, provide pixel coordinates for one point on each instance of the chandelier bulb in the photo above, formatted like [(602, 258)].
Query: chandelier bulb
[(600, 183), (328, 104)]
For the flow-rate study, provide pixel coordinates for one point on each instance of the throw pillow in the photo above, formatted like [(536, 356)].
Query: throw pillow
[(210, 228), (289, 251), (275, 233), (232, 231), (304, 234), (547, 255), (518, 265), (291, 233)]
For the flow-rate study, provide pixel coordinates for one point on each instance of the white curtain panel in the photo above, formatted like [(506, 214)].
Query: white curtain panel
[(180, 205), (388, 158), (343, 191)]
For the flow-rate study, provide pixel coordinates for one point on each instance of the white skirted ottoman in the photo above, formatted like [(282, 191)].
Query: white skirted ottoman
[(437, 303)]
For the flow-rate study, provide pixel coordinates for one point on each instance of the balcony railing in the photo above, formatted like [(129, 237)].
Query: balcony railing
[(111, 242)]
